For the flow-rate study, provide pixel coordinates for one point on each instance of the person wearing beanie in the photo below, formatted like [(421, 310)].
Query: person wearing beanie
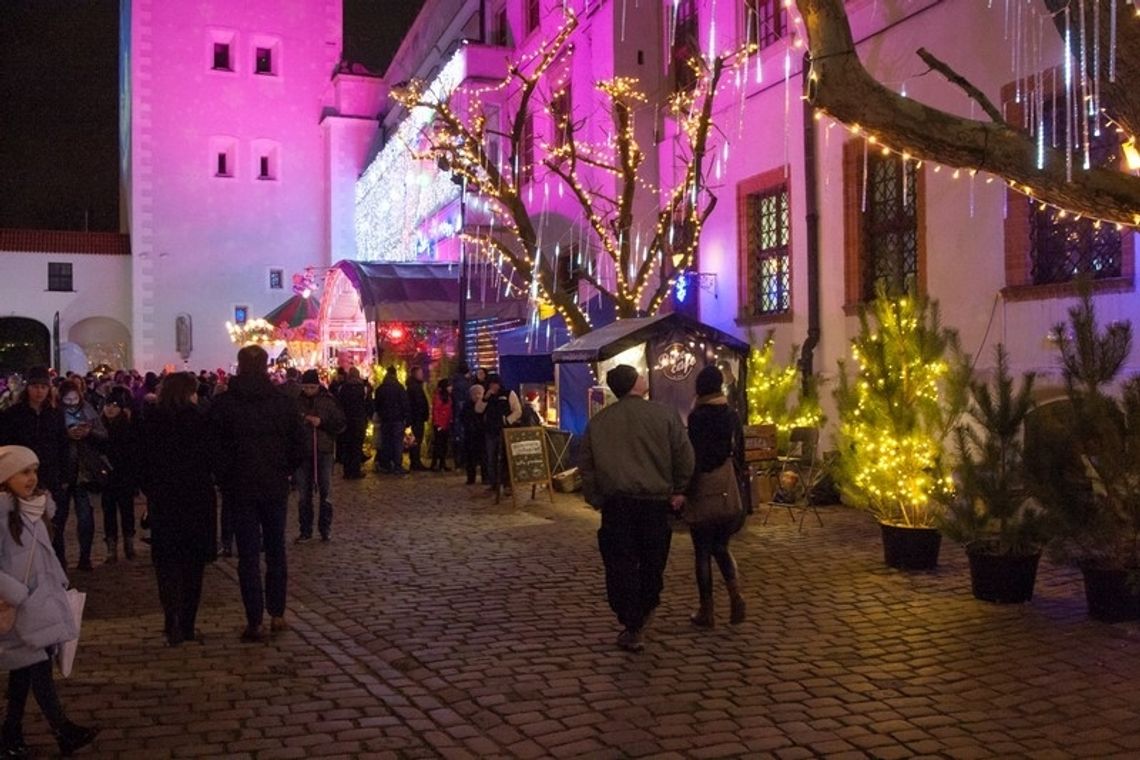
[(716, 433), (35, 422), (33, 581), (118, 497), (355, 402), (261, 444), (500, 409), (393, 412), (636, 463), (322, 420)]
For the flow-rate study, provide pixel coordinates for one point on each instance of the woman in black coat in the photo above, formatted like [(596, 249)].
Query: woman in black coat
[(716, 434), (177, 452)]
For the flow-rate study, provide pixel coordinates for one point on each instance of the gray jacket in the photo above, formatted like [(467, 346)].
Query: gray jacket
[(635, 448), (43, 614)]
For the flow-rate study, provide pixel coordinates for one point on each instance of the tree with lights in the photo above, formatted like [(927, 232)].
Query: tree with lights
[(777, 394), (633, 267), (842, 88), (897, 410)]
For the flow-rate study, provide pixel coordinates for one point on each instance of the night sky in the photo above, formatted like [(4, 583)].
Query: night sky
[(59, 103)]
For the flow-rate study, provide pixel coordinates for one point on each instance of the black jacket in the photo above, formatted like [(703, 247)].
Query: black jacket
[(178, 455), (353, 397), (259, 438), (123, 450), (716, 434), (43, 432), (392, 402), (419, 411), (325, 406)]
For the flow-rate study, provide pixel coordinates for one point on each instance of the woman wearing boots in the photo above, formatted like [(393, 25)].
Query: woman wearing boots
[(716, 434), (177, 477)]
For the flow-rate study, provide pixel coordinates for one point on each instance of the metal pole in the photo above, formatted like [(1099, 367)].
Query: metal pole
[(462, 352)]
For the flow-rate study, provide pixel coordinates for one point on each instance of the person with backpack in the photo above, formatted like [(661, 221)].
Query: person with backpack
[(500, 409)]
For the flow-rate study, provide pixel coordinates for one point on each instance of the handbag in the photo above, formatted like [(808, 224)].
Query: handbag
[(7, 611), (94, 469), (65, 654), (714, 496)]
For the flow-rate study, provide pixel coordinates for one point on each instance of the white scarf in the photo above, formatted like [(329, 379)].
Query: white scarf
[(34, 507)]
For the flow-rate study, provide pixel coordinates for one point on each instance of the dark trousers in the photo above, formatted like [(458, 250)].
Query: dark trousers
[(118, 507), (227, 521), (439, 447), (474, 445), (634, 542), (414, 454), (84, 522), (493, 452), (258, 521), (390, 457), (38, 679), (352, 454), (305, 487), (711, 542), (180, 592)]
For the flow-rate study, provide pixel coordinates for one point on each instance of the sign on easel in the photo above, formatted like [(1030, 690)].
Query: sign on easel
[(527, 462)]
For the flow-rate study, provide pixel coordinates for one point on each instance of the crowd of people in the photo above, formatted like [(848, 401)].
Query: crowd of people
[(184, 440)]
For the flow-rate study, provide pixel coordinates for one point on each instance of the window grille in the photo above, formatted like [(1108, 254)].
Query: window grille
[(890, 226), (767, 21), (60, 277), (686, 46), (769, 265)]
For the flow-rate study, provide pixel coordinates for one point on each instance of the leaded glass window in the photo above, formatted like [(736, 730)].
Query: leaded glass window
[(767, 21), (1062, 247), (769, 266), (890, 226), (686, 46)]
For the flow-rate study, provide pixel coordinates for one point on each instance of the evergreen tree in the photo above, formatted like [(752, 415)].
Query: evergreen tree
[(896, 412), (776, 394)]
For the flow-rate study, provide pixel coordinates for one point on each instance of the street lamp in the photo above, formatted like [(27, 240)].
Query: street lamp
[(460, 180)]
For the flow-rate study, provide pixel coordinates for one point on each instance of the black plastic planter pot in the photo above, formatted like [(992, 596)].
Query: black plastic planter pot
[(1109, 596), (1003, 578), (910, 548)]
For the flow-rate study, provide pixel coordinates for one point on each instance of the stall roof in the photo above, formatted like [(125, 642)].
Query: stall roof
[(612, 339), (422, 292)]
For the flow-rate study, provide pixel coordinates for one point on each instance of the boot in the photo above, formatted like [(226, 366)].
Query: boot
[(129, 547), (704, 617), (72, 737), (736, 601), (112, 551)]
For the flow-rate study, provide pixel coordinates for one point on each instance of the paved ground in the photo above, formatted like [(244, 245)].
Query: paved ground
[(437, 624)]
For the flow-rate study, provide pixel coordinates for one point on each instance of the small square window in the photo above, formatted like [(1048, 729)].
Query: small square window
[(59, 277), (276, 279), (222, 56), (263, 61), (241, 315)]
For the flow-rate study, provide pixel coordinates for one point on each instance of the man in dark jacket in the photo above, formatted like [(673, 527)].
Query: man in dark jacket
[(322, 420), (34, 423), (419, 412), (354, 402), (261, 441), (391, 404)]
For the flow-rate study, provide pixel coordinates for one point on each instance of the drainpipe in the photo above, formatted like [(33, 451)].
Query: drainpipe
[(483, 22), (811, 206)]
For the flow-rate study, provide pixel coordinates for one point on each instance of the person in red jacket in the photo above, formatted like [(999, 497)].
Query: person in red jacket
[(441, 412)]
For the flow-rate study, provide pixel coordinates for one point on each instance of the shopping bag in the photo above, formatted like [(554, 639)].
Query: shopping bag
[(65, 656)]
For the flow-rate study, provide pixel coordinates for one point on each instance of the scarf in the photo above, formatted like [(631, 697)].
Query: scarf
[(712, 399), (33, 508)]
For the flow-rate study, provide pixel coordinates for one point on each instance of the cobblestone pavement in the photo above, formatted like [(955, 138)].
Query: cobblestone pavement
[(438, 624)]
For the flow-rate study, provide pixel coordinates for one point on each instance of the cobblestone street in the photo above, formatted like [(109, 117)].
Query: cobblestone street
[(437, 624)]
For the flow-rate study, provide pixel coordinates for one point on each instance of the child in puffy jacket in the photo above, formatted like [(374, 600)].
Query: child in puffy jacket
[(33, 582)]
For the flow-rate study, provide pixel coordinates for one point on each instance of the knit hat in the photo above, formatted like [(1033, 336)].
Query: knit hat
[(710, 380), (37, 376), (311, 377), (620, 379), (120, 396), (15, 459)]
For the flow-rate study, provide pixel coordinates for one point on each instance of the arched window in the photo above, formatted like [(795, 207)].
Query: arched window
[(23, 343)]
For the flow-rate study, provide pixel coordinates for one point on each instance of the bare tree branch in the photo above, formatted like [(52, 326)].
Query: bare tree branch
[(957, 79)]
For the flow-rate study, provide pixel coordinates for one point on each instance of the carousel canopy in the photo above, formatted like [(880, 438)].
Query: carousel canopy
[(294, 312), (612, 339), (417, 292)]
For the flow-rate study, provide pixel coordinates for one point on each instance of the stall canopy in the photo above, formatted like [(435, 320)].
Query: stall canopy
[(391, 292), (609, 341)]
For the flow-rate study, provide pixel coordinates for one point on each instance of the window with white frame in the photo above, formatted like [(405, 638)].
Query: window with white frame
[(265, 53), (266, 159), (220, 50), (223, 156)]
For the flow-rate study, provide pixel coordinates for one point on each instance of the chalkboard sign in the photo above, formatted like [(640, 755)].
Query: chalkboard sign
[(759, 443), (527, 460)]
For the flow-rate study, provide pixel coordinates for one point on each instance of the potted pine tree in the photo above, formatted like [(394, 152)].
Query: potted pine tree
[(895, 414), (1086, 460), (991, 510)]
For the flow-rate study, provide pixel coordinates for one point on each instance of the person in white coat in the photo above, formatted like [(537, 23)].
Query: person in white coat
[(33, 582)]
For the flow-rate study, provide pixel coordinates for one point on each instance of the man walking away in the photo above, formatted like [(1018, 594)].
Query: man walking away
[(391, 402), (322, 421), (419, 413), (354, 402), (636, 462), (261, 445)]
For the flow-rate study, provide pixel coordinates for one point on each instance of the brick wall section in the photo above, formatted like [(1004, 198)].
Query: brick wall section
[(64, 241)]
